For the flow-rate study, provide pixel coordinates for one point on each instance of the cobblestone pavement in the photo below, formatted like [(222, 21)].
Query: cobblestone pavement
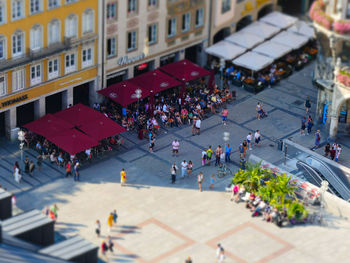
[(161, 222)]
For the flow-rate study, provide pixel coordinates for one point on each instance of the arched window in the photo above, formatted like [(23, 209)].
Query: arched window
[(2, 47), (36, 37), (71, 26), (17, 43), (54, 33), (88, 21)]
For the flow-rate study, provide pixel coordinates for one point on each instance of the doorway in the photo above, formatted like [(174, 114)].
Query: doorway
[(53, 103), (2, 124), (81, 94), (220, 35), (245, 21), (25, 114)]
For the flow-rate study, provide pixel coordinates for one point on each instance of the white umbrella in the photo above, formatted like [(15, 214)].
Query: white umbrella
[(245, 39), (253, 61), (225, 50), (279, 20), (261, 29), (272, 49)]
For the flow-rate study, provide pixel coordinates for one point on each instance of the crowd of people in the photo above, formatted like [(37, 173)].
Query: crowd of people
[(257, 206)]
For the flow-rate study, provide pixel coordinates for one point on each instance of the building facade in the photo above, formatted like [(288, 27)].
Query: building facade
[(229, 16), (332, 73), (48, 58), (141, 35)]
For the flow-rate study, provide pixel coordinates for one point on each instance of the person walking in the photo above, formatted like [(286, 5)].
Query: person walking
[(333, 150), (257, 138), (184, 166), (307, 104), (39, 161), (17, 173), (224, 115), (310, 123), (303, 126), (115, 216), (189, 168), (204, 157), (151, 143), (26, 165), (122, 177), (258, 110), (98, 228), (68, 169), (110, 244), (175, 146), (327, 150), (104, 249), (188, 260), (241, 151), (218, 153), (76, 172), (218, 250), (31, 168), (212, 179), (54, 210), (209, 154), (200, 179), (249, 140), (110, 222), (198, 126), (227, 153), (317, 139), (337, 153), (173, 171)]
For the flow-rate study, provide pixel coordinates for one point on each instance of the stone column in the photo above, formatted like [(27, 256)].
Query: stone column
[(39, 108), (10, 122), (69, 96), (333, 129)]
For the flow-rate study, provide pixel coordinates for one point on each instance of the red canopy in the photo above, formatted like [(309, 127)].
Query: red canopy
[(124, 93), (154, 80), (79, 114), (185, 70), (73, 141), (49, 125), (101, 129)]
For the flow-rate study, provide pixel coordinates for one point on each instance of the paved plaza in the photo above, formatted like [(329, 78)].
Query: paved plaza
[(161, 222)]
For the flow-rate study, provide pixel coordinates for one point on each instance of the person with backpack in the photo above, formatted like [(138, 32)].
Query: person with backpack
[(317, 139)]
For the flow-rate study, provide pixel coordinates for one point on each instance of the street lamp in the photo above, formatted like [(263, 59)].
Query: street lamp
[(137, 95), (21, 139), (323, 188)]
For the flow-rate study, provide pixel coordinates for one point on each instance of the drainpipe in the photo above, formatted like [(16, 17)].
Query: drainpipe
[(103, 44), (210, 20)]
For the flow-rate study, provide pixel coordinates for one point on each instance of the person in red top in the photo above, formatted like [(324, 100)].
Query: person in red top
[(68, 169), (224, 114)]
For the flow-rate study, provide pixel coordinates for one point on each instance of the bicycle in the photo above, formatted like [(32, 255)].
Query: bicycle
[(223, 170)]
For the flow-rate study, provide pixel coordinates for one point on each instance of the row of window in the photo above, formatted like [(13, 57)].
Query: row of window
[(35, 6), (132, 7), (54, 34), (53, 70), (152, 32)]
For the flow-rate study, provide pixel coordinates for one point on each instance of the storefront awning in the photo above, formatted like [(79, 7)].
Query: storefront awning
[(185, 70), (261, 29), (272, 49), (154, 81), (73, 141), (302, 28), (245, 39), (78, 114), (253, 61), (279, 19), (48, 125), (101, 129), (225, 50), (124, 93), (290, 39)]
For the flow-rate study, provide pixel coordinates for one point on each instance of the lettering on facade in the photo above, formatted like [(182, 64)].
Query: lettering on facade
[(126, 60), (13, 101)]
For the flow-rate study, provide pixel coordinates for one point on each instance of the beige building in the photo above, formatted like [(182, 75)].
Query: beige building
[(229, 16), (332, 73), (141, 35)]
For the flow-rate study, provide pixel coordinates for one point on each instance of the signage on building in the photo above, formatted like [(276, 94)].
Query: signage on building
[(13, 101), (126, 60)]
